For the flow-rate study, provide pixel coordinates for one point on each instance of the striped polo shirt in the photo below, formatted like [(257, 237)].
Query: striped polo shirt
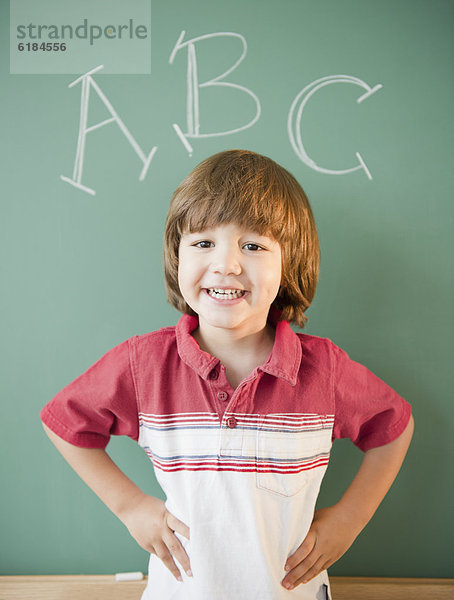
[(240, 467)]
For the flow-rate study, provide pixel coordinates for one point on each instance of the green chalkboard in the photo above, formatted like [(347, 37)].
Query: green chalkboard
[(355, 98)]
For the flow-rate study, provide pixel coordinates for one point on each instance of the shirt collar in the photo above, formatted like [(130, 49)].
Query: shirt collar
[(283, 362)]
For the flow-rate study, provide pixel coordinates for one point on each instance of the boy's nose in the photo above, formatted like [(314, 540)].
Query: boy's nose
[(226, 262)]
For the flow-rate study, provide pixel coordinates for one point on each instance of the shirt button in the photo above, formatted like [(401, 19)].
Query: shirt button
[(213, 374), (231, 422), (222, 395)]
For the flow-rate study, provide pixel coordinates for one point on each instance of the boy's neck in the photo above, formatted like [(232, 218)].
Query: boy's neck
[(239, 353)]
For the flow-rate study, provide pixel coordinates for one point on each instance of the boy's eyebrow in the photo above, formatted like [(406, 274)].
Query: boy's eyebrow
[(196, 233), (211, 230)]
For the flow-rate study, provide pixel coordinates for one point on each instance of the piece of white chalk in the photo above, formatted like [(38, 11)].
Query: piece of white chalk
[(135, 576)]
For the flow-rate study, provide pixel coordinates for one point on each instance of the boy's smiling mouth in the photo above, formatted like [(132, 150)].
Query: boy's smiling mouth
[(225, 293)]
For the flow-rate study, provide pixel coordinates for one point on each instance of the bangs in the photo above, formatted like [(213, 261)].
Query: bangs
[(257, 199), (263, 217)]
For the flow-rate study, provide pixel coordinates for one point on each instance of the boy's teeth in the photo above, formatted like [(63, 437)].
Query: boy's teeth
[(219, 293)]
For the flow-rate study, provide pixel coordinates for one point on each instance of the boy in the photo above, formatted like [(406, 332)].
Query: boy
[(236, 411)]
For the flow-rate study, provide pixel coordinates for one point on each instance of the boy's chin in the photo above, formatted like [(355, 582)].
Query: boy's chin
[(222, 321), (231, 323)]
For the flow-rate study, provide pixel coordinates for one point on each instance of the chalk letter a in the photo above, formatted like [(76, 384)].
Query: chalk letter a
[(88, 83)]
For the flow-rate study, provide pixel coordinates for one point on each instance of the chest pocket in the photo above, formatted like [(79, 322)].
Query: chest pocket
[(291, 451)]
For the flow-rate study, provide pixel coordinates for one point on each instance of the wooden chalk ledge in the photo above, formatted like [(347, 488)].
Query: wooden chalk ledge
[(104, 587)]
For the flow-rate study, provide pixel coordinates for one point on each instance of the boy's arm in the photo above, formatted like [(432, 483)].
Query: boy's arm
[(334, 529), (146, 517)]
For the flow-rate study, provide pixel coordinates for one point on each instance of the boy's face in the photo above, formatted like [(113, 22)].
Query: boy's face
[(229, 276)]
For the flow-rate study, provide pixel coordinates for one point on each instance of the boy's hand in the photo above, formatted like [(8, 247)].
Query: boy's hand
[(330, 536), (334, 529), (153, 527)]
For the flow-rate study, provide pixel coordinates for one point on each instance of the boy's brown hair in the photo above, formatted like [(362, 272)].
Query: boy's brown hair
[(252, 191)]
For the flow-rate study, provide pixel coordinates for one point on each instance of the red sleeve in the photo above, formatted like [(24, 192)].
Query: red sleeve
[(98, 404), (368, 411)]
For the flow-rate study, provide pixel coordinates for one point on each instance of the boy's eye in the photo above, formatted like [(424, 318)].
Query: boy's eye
[(253, 247), (203, 244)]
